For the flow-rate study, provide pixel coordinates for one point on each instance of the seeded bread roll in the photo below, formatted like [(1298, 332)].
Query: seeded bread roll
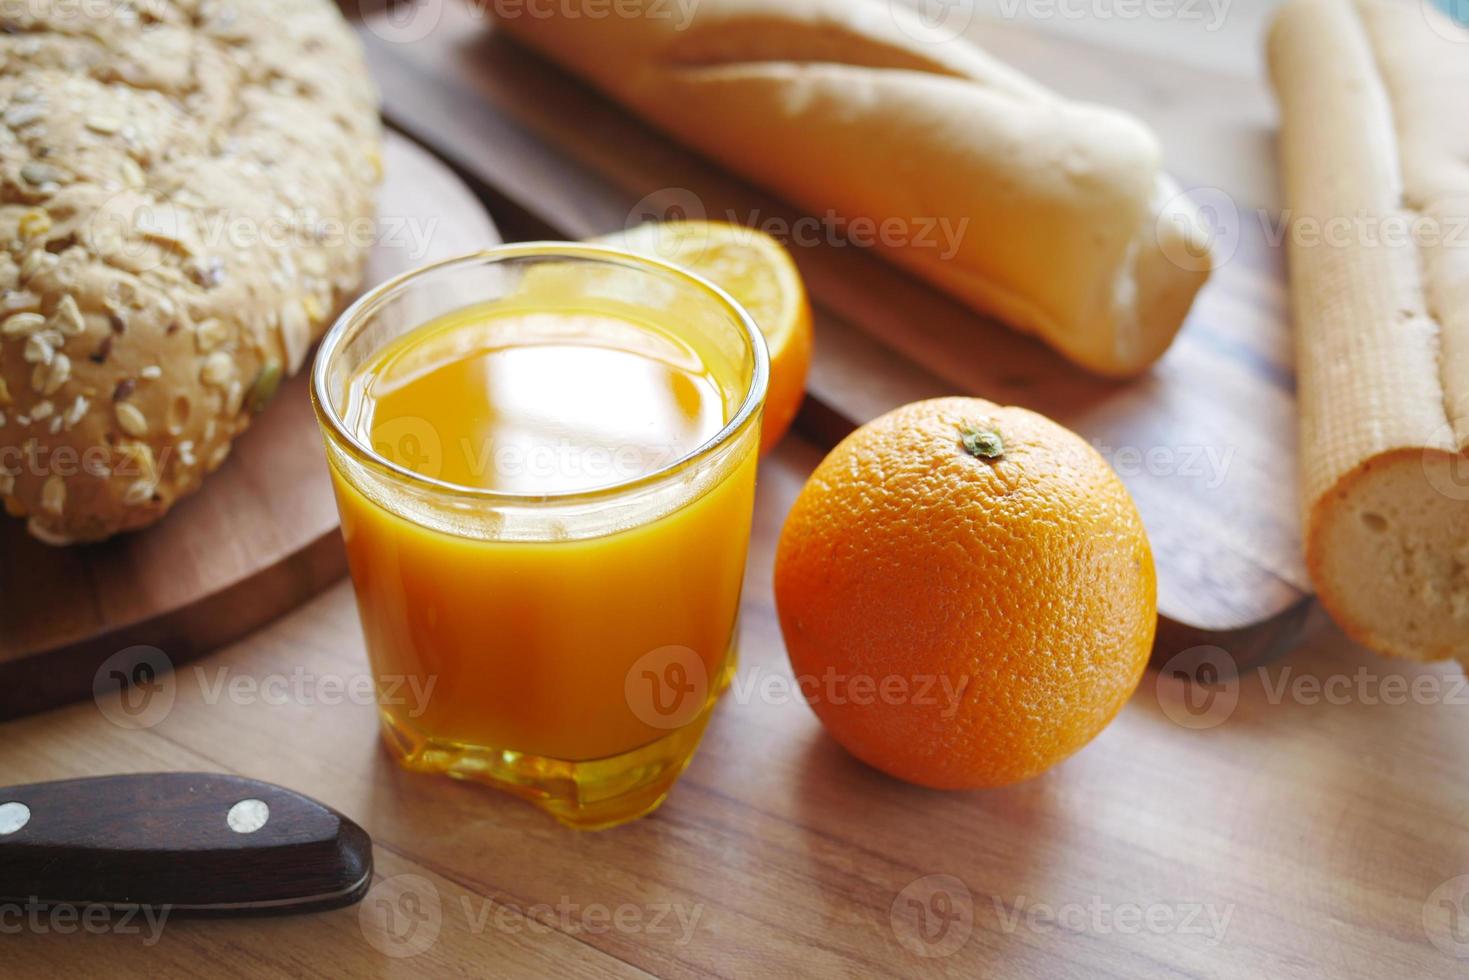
[(186, 199), (1374, 142)]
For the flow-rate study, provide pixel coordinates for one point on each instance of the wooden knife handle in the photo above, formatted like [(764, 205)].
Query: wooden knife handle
[(194, 842)]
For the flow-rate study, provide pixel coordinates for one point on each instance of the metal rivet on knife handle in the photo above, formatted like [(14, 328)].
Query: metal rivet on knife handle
[(248, 816), (13, 816)]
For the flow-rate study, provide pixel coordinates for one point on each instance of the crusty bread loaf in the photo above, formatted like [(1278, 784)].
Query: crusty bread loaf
[(186, 200), (1374, 144), (1072, 231)]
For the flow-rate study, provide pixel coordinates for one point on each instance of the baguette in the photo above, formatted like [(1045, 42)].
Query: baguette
[(1374, 136), (1072, 232), (182, 198)]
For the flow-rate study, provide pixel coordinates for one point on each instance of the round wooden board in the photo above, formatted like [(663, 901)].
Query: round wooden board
[(258, 539)]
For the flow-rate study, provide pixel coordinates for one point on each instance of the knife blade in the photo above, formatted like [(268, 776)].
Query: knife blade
[(192, 842)]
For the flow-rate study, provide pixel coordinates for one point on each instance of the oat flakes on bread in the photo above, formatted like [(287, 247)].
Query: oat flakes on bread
[(185, 192)]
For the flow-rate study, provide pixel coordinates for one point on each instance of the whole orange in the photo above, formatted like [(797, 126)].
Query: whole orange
[(966, 592)]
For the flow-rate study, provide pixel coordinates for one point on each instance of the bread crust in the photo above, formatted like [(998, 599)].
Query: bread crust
[(1072, 232), (186, 194), (1388, 597), (1382, 321)]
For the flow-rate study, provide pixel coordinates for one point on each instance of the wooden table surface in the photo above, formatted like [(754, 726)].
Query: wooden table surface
[(1302, 821), (1307, 818)]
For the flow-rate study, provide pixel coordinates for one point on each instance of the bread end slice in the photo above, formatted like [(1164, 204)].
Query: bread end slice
[(1388, 549)]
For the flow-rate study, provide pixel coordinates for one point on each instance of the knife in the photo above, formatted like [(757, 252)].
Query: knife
[(191, 842)]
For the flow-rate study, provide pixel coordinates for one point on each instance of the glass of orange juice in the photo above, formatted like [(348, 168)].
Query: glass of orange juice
[(544, 460)]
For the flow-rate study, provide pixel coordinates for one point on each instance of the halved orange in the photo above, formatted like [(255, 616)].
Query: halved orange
[(759, 273)]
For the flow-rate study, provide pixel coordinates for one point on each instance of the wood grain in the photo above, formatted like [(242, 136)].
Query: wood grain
[(1324, 830), (258, 539), (1318, 832), (1205, 442)]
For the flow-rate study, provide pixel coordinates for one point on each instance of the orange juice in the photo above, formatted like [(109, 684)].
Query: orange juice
[(526, 638), (549, 563)]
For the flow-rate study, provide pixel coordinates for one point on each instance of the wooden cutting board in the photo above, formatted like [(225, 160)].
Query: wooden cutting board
[(1205, 441), (260, 536)]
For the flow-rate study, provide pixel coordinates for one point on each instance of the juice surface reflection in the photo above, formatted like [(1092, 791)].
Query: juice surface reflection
[(596, 401)]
